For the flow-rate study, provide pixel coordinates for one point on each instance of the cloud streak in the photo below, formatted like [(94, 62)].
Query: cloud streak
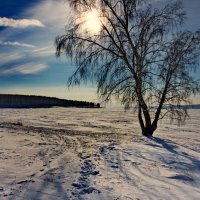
[(7, 58), (44, 51), (28, 68), (20, 23), (9, 43)]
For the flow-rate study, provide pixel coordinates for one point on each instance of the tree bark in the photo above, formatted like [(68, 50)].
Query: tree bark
[(148, 131), (147, 128)]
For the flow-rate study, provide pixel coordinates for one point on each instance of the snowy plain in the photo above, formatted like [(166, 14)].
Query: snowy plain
[(91, 154)]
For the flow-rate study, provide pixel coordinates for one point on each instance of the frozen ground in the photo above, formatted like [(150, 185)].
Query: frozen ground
[(71, 153)]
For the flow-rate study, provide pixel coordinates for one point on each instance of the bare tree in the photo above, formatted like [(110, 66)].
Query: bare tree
[(139, 55)]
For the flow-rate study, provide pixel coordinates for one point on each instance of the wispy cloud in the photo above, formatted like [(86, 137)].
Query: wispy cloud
[(54, 14), (10, 57), (20, 23), (16, 44), (28, 68), (44, 51), (26, 55)]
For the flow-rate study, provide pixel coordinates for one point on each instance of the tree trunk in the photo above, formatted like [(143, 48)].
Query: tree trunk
[(148, 128), (148, 131)]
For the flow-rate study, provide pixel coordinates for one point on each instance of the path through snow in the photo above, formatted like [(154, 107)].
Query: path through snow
[(87, 154)]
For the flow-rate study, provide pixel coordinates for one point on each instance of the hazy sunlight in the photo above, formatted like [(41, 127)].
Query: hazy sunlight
[(92, 22)]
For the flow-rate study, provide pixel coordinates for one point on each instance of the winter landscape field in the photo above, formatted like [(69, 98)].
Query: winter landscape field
[(79, 153)]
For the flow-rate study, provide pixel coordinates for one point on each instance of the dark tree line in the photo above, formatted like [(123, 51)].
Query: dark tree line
[(31, 101)]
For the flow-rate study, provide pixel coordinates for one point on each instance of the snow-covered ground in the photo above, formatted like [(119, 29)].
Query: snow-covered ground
[(73, 153)]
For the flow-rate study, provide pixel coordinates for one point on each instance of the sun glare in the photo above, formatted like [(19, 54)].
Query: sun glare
[(92, 22)]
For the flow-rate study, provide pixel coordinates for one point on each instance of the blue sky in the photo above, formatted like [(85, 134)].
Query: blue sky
[(27, 32), (28, 64)]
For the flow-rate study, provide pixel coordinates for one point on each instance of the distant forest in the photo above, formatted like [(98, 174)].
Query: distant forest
[(31, 101)]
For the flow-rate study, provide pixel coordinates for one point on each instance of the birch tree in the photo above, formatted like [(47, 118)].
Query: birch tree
[(136, 54)]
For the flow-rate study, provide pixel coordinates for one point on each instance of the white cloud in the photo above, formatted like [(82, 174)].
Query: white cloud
[(26, 55), (44, 51), (20, 23), (29, 68), (10, 57), (16, 44), (53, 13)]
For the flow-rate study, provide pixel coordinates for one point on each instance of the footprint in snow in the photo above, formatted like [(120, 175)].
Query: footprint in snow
[(87, 170)]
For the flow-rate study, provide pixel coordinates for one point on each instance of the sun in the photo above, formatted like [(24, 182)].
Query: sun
[(92, 21)]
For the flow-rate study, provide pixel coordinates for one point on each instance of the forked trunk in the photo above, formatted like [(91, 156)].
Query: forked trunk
[(148, 131), (147, 128)]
